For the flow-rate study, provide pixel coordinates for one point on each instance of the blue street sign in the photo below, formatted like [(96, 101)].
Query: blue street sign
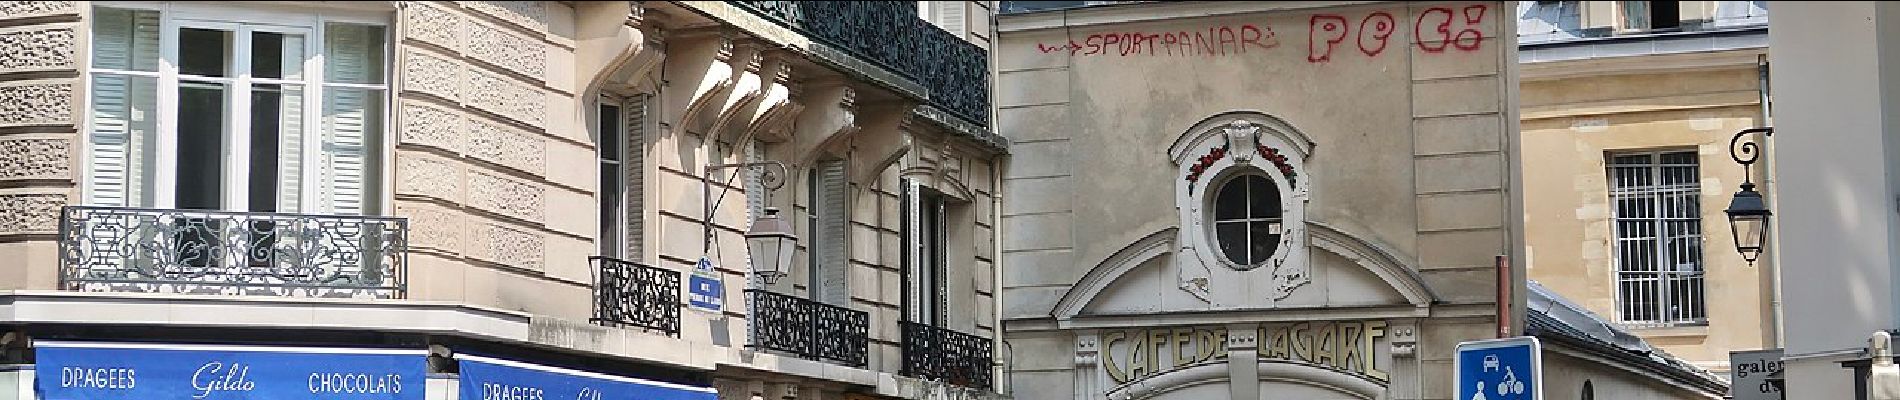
[(1499, 369), (704, 288), (100, 370)]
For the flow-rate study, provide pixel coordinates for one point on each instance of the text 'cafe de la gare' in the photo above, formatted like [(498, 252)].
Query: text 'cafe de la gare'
[(96, 370)]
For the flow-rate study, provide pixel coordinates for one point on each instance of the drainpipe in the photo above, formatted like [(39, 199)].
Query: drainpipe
[(996, 272), (1767, 181)]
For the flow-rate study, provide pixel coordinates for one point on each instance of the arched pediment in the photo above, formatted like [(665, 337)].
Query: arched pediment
[(1132, 264), (1276, 129)]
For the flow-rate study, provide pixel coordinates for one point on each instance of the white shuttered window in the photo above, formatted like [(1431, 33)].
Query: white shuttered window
[(221, 107), (829, 240)]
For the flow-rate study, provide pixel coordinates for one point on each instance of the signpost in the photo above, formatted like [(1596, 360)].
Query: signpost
[(1748, 374), (704, 288), (1499, 369)]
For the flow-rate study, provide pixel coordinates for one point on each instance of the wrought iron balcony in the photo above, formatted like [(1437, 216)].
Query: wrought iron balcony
[(631, 294), (941, 354), (808, 328), (890, 35), (111, 249)]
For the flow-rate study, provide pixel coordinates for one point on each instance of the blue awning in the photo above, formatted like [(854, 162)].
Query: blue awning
[(486, 378), (101, 370)]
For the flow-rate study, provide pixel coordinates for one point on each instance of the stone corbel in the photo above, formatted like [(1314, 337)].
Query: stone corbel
[(827, 127), (777, 110), (781, 391), (881, 143), (747, 91), (614, 53), (704, 56)]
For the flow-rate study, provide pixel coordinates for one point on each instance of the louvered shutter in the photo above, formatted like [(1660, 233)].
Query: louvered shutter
[(632, 160), (351, 120), (124, 109), (950, 16), (832, 207)]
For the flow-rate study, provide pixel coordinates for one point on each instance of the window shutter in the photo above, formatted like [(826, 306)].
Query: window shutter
[(350, 119), (913, 289), (631, 162), (831, 233), (124, 108), (950, 16)]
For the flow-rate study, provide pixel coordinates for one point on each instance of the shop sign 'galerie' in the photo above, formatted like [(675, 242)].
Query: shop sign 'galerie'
[(1132, 354)]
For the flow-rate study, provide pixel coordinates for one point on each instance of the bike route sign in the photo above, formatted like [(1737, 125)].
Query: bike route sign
[(1499, 369)]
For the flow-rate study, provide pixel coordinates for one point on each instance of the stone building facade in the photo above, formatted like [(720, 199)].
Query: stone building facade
[(544, 186), (1276, 200), (1609, 103)]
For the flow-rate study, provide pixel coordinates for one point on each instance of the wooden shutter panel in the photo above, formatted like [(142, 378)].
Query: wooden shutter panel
[(951, 17), (913, 289), (632, 160), (833, 269), (351, 119), (124, 109)]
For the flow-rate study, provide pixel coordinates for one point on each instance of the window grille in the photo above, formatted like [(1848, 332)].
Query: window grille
[(1656, 198)]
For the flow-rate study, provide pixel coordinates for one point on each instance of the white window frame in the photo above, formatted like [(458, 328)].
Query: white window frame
[(241, 20)]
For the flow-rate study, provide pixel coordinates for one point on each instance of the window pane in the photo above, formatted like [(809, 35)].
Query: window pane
[(124, 140), (1264, 197), (1233, 241), (611, 179), (610, 132), (125, 39), (1266, 239), (353, 53), (277, 55), (351, 150), (204, 52), (201, 124), (1231, 202), (276, 147)]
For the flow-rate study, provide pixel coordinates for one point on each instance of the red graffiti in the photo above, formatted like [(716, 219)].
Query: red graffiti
[(1379, 27), (1468, 38), (1219, 40), (1333, 27)]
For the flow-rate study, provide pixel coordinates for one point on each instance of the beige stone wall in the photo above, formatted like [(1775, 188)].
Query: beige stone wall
[(491, 165), (1570, 124), (1567, 370), (43, 43), (1412, 153)]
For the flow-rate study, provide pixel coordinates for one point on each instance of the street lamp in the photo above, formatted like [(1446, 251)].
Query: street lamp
[(771, 243), (1747, 213)]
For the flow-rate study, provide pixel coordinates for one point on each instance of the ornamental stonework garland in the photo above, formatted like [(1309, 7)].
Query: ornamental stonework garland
[(1216, 154)]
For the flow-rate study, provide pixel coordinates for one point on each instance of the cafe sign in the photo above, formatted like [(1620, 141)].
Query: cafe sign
[(1345, 346)]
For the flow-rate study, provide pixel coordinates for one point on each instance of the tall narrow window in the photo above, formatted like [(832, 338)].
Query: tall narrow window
[(829, 220), (1656, 199), (926, 259), (204, 110), (613, 175)]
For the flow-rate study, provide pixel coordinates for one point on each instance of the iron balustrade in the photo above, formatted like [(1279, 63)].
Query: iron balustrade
[(807, 328), (941, 354), (891, 35), (627, 293), (117, 249)]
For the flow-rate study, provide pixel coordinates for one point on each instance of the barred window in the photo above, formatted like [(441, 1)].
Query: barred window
[(1656, 197)]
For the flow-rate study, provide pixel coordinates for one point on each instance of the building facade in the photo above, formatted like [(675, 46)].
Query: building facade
[(498, 199), (1627, 121), (1277, 200)]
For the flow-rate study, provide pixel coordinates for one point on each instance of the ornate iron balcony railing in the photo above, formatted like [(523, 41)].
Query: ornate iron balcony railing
[(941, 354), (890, 34), (631, 294), (808, 328), (112, 249)]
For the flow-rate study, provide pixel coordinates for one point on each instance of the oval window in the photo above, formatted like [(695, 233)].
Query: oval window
[(1247, 218)]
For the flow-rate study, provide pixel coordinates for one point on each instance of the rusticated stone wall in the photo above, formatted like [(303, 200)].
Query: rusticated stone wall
[(484, 96), (39, 80)]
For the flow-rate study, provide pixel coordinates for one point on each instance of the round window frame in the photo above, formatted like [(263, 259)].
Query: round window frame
[(1211, 194)]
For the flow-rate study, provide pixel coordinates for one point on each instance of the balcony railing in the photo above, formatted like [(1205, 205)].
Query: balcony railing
[(808, 328), (890, 34), (941, 354), (631, 294), (110, 249)]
